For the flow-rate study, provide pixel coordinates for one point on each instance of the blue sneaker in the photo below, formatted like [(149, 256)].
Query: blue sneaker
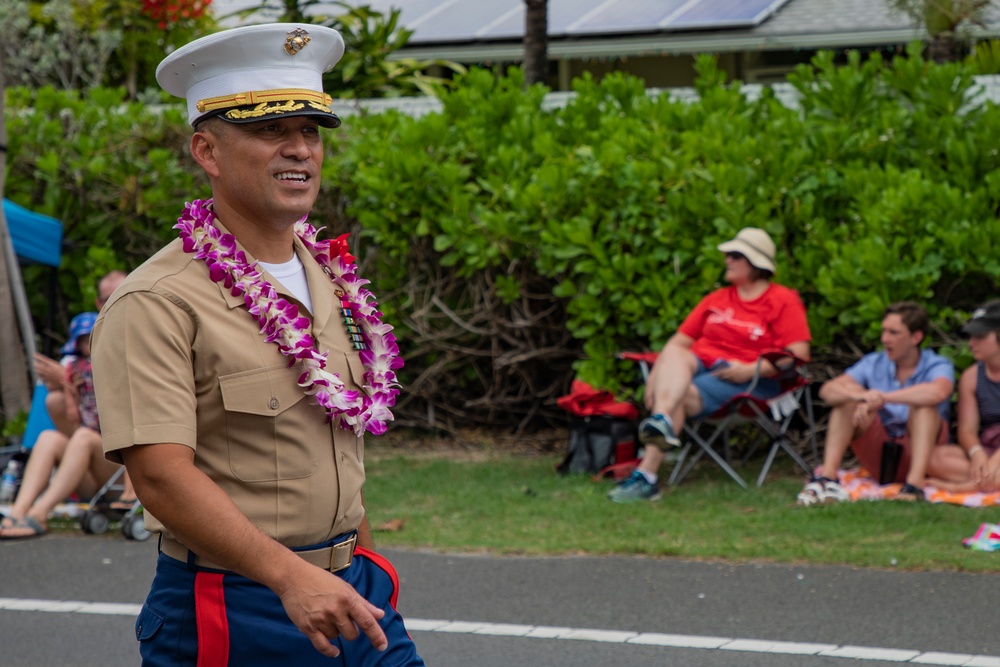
[(633, 489), (657, 430)]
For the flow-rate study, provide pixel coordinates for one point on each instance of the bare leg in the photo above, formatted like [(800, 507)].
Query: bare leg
[(924, 425), (652, 456), (841, 431), (83, 462), (670, 380), (128, 493), (953, 487), (666, 393), (949, 464), (45, 456)]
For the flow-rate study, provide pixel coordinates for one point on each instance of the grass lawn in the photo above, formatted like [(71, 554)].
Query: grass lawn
[(510, 504)]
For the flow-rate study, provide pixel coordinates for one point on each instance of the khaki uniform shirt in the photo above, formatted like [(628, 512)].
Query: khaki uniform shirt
[(178, 359)]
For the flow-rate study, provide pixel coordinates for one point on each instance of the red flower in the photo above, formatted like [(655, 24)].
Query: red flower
[(168, 13), (339, 246)]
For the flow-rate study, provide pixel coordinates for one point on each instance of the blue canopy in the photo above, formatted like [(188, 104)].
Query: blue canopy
[(37, 238)]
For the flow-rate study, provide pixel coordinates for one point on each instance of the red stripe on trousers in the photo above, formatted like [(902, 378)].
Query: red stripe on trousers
[(210, 616), (385, 565)]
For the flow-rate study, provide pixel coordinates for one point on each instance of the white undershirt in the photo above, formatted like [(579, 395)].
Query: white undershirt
[(292, 276)]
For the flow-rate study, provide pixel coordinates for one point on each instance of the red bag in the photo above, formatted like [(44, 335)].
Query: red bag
[(586, 401)]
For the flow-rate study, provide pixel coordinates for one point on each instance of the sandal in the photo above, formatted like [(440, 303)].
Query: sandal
[(122, 504), (909, 493), (27, 523), (821, 491)]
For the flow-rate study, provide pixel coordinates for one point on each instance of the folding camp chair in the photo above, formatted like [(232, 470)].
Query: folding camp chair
[(773, 416)]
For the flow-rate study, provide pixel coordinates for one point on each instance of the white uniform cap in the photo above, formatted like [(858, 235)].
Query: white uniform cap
[(255, 73)]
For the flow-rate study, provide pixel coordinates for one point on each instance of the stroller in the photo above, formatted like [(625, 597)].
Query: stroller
[(101, 512)]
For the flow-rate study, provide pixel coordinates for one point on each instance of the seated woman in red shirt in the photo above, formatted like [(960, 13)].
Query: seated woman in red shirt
[(714, 354)]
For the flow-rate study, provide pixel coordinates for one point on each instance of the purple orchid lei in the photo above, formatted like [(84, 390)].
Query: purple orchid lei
[(279, 320)]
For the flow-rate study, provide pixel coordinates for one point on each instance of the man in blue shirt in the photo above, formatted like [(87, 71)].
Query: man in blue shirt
[(901, 394)]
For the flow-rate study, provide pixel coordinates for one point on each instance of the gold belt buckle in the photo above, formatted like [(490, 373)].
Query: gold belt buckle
[(342, 554)]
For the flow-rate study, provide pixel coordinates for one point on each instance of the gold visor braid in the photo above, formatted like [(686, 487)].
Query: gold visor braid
[(264, 96)]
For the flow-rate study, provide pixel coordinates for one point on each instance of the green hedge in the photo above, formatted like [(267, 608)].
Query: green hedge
[(115, 173), (515, 246)]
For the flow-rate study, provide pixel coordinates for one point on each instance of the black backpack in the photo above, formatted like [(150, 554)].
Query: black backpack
[(597, 443)]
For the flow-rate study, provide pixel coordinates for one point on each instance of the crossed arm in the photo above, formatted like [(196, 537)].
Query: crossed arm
[(200, 514), (845, 389)]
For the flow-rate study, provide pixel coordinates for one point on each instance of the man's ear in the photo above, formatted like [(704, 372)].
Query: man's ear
[(203, 150), (918, 336)]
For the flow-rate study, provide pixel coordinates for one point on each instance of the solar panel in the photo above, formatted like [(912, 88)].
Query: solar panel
[(504, 19), (561, 15), (511, 26), (724, 14), (459, 21), (473, 20), (625, 16), (410, 10)]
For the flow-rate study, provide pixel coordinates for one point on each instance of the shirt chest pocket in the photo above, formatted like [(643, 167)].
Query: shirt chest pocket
[(268, 421)]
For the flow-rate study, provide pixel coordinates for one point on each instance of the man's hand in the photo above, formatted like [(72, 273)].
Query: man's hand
[(736, 372), (200, 514), (50, 371), (873, 398), (869, 403), (323, 607)]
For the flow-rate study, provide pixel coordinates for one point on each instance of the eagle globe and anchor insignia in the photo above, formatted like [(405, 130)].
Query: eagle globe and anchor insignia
[(296, 41)]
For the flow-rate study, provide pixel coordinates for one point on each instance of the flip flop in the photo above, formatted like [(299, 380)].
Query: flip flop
[(121, 505), (27, 523)]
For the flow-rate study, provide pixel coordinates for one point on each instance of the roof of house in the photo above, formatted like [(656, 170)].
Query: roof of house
[(476, 30)]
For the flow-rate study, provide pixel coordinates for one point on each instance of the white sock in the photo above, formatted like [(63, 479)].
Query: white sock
[(650, 477)]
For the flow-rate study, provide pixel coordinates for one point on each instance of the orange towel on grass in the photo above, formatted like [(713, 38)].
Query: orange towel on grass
[(860, 485)]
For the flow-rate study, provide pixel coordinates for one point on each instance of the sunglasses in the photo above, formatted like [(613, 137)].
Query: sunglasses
[(735, 255)]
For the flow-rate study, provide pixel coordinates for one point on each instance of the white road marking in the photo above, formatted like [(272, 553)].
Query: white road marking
[(585, 634)]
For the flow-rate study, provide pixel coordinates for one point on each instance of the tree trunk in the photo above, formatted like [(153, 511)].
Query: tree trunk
[(15, 387), (536, 42), (943, 48)]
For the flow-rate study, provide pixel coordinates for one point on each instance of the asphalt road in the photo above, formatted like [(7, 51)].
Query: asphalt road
[(483, 611)]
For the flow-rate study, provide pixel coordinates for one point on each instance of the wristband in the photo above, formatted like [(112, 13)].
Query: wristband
[(973, 450)]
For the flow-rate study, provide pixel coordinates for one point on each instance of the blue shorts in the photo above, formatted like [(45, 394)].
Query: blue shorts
[(716, 392), (197, 617)]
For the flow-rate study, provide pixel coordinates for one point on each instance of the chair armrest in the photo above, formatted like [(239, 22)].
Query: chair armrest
[(644, 359), (648, 357), (785, 362)]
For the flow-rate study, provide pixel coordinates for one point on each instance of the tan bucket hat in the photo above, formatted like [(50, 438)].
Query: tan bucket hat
[(755, 245)]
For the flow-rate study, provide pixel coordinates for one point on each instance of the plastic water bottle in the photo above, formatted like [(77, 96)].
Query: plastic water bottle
[(8, 482)]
